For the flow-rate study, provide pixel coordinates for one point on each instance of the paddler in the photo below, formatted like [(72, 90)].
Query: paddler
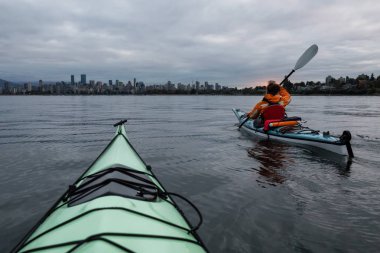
[(275, 95)]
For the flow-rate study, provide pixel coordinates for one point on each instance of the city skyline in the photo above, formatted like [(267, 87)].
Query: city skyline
[(245, 42), (361, 85), (83, 79)]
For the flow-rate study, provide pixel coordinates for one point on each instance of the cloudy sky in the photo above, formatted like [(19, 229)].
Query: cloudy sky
[(241, 42)]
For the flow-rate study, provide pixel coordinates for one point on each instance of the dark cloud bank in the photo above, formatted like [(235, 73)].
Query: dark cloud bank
[(232, 42)]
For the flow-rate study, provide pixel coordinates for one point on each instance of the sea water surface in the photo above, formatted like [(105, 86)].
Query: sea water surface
[(255, 196)]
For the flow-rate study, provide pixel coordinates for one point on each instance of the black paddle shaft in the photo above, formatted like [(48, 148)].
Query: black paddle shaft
[(244, 122), (287, 77)]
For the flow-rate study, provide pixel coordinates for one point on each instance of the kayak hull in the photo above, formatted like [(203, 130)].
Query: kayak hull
[(99, 213), (313, 140)]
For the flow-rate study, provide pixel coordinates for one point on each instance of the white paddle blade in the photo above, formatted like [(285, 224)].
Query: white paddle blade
[(306, 57)]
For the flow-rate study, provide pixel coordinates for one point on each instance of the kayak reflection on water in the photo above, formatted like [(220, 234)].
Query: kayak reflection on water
[(273, 159), (342, 164)]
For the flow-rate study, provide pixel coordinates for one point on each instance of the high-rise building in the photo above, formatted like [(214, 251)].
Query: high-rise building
[(83, 78), (72, 80), (110, 82), (41, 86)]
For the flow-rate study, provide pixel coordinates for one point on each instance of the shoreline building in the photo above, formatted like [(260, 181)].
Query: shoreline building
[(83, 78)]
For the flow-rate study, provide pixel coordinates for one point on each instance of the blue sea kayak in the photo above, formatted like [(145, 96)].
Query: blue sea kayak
[(299, 135)]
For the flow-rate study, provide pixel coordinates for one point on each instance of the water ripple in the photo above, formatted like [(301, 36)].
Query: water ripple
[(255, 196)]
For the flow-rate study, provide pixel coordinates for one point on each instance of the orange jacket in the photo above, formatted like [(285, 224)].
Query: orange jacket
[(283, 98)]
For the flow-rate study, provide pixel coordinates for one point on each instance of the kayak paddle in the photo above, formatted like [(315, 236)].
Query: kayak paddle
[(302, 61)]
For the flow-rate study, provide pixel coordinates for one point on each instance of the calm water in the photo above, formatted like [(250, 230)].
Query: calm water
[(255, 196)]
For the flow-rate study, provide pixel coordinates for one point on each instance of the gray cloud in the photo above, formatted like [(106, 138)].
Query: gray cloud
[(233, 42)]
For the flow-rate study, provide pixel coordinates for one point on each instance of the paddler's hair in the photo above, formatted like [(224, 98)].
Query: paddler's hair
[(273, 89)]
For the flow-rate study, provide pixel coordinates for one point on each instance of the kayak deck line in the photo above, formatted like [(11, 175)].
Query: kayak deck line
[(120, 168), (79, 243), (100, 188), (102, 209), (301, 136), (76, 193), (124, 169)]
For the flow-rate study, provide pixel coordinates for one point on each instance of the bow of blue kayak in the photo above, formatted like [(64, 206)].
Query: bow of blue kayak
[(117, 205)]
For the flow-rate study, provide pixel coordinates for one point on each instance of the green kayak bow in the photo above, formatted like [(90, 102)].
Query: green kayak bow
[(117, 205)]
